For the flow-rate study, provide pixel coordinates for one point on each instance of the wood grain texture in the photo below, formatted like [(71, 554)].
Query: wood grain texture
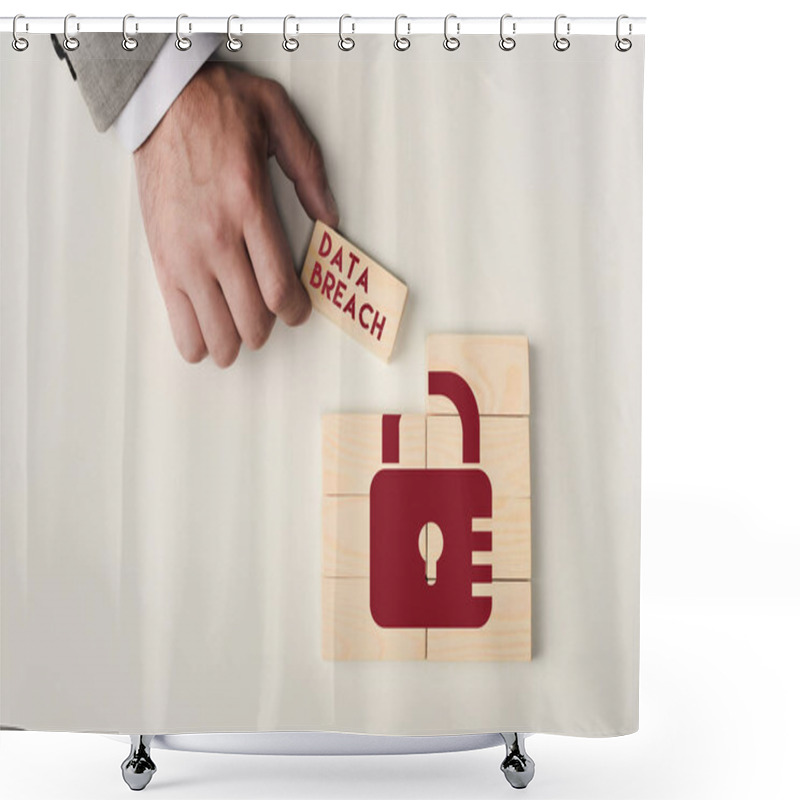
[(345, 536), (497, 370), (349, 633), (505, 451), (353, 291), (495, 367), (510, 526), (505, 637), (352, 449)]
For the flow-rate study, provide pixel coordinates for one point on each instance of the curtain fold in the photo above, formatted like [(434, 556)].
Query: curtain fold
[(162, 539)]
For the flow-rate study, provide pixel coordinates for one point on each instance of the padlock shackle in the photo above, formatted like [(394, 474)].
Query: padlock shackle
[(452, 386), (390, 438)]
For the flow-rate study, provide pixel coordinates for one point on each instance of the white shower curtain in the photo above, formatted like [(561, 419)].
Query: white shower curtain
[(162, 522)]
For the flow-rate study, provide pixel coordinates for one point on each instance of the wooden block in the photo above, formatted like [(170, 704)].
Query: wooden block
[(349, 633), (495, 367), (352, 449), (345, 536), (505, 451), (510, 526), (505, 637), (510, 532), (353, 291)]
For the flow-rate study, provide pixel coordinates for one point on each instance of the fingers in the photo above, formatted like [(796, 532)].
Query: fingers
[(242, 275), (269, 252), (299, 154), (220, 313), (252, 318), (185, 327), (216, 323)]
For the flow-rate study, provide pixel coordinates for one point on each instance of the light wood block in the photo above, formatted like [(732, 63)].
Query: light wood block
[(505, 451), (510, 555), (352, 449), (349, 633), (505, 637), (495, 367), (356, 293), (345, 536), (510, 525)]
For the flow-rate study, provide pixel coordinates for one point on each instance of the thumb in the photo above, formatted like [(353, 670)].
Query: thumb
[(298, 154)]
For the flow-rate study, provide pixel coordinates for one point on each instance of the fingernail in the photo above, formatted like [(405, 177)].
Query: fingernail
[(330, 204)]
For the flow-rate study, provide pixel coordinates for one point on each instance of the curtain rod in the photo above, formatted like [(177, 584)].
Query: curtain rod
[(310, 25)]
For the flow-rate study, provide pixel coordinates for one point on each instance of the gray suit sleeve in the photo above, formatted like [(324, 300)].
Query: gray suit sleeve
[(107, 74)]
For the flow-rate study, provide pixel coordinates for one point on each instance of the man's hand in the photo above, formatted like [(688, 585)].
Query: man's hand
[(220, 252)]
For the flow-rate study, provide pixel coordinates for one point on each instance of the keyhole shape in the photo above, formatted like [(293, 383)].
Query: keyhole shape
[(435, 545)]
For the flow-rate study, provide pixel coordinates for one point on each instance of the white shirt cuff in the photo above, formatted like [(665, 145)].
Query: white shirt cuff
[(170, 71)]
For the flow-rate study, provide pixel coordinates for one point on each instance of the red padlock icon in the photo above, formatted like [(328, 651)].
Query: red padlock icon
[(403, 501)]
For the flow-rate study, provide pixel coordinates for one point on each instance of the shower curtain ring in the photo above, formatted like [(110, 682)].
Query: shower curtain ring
[(401, 42), (19, 43), (182, 42), (623, 44), (451, 42), (346, 42), (290, 44), (70, 42), (507, 42), (561, 43), (128, 42), (233, 44)]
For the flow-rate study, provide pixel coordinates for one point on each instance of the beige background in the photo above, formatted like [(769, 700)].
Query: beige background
[(160, 521)]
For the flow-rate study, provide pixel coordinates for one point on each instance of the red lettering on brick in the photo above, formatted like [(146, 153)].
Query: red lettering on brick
[(337, 295), (377, 325), (316, 276), (354, 259), (366, 306), (328, 284), (325, 244)]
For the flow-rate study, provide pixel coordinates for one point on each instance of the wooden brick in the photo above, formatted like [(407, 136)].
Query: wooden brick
[(505, 637), (510, 525), (505, 451), (495, 367), (349, 633), (352, 449), (356, 293), (345, 536)]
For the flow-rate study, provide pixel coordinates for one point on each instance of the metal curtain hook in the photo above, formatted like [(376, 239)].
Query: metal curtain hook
[(290, 44), (561, 43), (19, 43), (182, 42), (623, 44), (451, 42), (507, 42), (233, 44), (70, 42), (128, 42), (346, 42), (401, 42)]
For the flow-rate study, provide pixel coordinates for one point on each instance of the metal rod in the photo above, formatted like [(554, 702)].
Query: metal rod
[(384, 25)]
